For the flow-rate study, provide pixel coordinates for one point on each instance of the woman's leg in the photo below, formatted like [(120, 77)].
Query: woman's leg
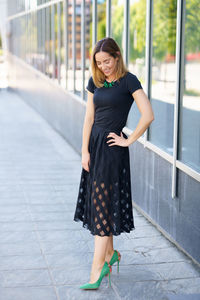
[(101, 243), (110, 249)]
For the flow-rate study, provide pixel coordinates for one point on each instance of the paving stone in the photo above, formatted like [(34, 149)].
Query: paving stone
[(142, 244), (72, 275), (165, 255), (31, 293), (182, 286), (184, 297), (64, 260), (17, 226), (15, 217), (16, 278), (56, 225), (17, 237), (177, 270), (22, 262), (74, 293), (63, 246), (148, 290), (39, 208), (59, 235), (20, 248), (140, 232), (13, 208)]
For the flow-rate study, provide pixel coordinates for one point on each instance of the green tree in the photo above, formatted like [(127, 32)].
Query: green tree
[(137, 29), (192, 26), (101, 29), (164, 28), (117, 23)]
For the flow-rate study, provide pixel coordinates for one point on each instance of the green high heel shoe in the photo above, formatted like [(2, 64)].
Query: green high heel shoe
[(93, 286), (115, 258)]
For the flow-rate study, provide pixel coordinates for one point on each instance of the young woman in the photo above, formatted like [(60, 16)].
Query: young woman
[(104, 203)]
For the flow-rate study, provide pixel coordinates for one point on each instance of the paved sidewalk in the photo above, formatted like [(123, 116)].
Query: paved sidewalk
[(44, 254)]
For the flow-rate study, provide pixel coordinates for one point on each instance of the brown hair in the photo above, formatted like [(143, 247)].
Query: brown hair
[(110, 46)]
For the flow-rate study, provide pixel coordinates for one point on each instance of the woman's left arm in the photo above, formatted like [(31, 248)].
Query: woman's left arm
[(146, 118)]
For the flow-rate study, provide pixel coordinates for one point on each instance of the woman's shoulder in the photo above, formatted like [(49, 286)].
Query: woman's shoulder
[(130, 75), (132, 82), (91, 79), (91, 86)]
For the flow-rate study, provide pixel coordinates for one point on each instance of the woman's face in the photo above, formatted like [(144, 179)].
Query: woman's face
[(106, 63)]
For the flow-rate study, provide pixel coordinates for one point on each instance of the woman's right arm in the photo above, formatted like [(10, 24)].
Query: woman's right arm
[(87, 126)]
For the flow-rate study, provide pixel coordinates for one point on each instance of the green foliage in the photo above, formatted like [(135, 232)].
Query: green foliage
[(192, 28), (118, 24), (90, 49), (164, 28), (101, 29), (191, 93), (137, 30)]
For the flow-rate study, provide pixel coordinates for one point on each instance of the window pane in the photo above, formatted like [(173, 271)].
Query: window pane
[(101, 16), (189, 137), (62, 50), (47, 42), (56, 42), (39, 56), (118, 22), (163, 73), (78, 49), (88, 42), (52, 43), (43, 39), (15, 7), (137, 51), (70, 58)]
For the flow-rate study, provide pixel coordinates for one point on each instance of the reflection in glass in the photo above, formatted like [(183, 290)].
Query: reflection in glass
[(101, 33), (56, 41), (88, 42), (62, 49), (39, 57), (70, 58), (117, 22), (52, 54), (15, 7), (137, 51), (43, 18), (78, 48), (189, 136), (34, 45), (163, 74), (101, 19), (47, 42)]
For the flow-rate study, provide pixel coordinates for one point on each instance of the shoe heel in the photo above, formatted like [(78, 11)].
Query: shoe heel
[(118, 266), (109, 280)]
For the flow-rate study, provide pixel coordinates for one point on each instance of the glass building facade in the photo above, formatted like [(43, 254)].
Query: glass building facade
[(160, 43)]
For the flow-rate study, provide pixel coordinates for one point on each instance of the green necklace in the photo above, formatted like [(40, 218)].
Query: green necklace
[(108, 84)]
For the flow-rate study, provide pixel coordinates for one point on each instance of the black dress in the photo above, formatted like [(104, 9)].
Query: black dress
[(104, 203)]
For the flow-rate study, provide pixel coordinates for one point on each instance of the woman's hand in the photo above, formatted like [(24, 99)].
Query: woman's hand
[(117, 140), (86, 161)]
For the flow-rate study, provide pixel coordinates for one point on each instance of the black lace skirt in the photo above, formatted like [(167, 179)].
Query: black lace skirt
[(104, 203)]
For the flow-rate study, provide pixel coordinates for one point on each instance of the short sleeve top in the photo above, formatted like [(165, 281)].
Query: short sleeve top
[(112, 104)]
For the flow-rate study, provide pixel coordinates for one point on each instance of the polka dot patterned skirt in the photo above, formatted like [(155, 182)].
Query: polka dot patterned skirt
[(104, 203)]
